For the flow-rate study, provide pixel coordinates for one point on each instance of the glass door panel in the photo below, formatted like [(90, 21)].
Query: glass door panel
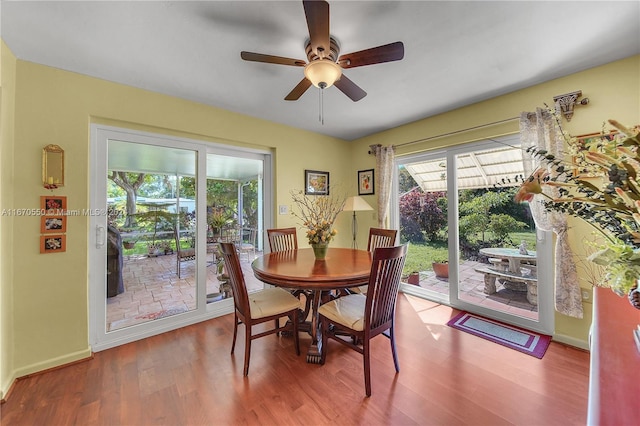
[(235, 215), (496, 235), (151, 247), (422, 202)]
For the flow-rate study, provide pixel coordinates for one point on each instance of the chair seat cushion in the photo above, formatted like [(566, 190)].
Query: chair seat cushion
[(347, 310), (271, 301)]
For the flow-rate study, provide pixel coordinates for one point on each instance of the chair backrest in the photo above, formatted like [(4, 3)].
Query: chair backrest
[(382, 292), (282, 239), (179, 250), (229, 234), (236, 278), (248, 236), (379, 237)]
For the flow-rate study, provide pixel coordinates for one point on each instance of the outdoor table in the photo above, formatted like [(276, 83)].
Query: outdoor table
[(513, 256), (517, 277)]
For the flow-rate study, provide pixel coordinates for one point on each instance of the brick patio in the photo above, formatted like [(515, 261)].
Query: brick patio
[(153, 290)]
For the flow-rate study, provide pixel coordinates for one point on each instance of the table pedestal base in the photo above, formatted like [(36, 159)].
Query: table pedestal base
[(312, 303)]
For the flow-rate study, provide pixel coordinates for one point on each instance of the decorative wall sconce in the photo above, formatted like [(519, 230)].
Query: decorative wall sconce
[(565, 103), (52, 167)]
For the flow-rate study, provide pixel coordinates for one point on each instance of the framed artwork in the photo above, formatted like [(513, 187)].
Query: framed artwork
[(316, 183), (52, 224), (53, 204), (366, 182), (53, 243)]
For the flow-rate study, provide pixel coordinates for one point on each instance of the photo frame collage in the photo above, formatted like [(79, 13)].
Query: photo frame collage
[(53, 224)]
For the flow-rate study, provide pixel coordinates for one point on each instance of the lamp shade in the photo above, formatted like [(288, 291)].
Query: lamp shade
[(322, 73), (356, 204)]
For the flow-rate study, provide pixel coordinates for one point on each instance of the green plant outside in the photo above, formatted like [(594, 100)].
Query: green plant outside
[(420, 255)]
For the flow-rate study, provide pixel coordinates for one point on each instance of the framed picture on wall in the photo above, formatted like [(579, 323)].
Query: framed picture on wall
[(316, 183), (53, 204), (53, 243), (366, 182), (53, 224)]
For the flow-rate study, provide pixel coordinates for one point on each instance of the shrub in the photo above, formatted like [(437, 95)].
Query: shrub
[(422, 215)]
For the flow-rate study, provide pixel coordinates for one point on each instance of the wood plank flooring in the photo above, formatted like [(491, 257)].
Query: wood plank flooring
[(188, 377)]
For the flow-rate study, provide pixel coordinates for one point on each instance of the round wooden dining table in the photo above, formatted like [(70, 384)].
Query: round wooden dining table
[(300, 271)]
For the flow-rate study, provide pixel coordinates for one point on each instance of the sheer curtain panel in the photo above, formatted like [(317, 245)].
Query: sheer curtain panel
[(538, 129)]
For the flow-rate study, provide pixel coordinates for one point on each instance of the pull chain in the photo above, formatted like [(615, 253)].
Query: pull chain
[(321, 106)]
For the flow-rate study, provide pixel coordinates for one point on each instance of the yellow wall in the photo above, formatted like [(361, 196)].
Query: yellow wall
[(613, 91), (45, 317), (7, 96), (57, 107)]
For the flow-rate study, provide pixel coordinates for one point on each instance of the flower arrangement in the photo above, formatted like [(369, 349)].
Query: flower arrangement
[(601, 186), (317, 214)]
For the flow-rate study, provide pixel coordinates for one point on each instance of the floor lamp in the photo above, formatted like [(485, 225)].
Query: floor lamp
[(355, 204)]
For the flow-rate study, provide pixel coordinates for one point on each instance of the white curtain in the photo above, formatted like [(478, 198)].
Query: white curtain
[(538, 129), (385, 156)]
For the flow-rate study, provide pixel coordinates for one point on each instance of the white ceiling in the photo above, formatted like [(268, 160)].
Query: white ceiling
[(456, 53)]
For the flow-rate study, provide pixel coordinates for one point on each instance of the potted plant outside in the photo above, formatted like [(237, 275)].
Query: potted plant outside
[(414, 278), (217, 219), (441, 267)]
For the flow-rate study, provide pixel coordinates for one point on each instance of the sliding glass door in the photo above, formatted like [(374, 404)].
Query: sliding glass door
[(456, 206), (168, 202)]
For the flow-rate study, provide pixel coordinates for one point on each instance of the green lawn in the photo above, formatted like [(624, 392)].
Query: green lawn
[(421, 255)]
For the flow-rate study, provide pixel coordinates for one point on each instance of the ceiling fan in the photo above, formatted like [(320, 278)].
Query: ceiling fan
[(324, 67)]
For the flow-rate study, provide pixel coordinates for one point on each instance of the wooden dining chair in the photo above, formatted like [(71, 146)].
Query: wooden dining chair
[(282, 239), (286, 239), (365, 316), (379, 237), (258, 307)]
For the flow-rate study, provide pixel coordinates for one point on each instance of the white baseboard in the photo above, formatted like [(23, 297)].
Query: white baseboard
[(571, 341)]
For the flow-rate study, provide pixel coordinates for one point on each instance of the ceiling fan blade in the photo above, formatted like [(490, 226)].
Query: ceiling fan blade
[(349, 88), (270, 59), (375, 55), (317, 14), (297, 91)]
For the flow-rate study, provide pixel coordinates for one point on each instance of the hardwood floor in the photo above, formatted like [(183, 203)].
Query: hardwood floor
[(188, 377)]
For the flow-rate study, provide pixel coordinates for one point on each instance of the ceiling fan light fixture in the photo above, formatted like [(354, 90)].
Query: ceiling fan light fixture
[(322, 73)]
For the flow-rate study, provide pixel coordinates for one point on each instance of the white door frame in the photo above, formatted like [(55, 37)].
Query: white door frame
[(544, 242), (99, 339)]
